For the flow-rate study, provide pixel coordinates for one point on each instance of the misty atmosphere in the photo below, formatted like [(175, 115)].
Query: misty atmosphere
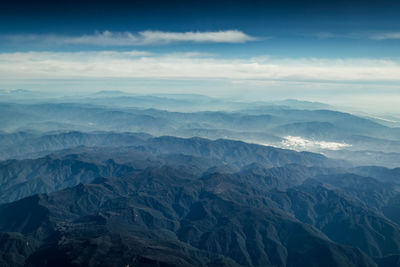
[(186, 133)]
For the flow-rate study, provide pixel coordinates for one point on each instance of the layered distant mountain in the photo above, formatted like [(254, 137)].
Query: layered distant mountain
[(122, 180), (291, 124)]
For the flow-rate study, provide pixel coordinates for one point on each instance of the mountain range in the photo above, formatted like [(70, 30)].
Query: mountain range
[(97, 183)]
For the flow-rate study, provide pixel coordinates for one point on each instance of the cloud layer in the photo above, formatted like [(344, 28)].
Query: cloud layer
[(108, 38), (141, 64), (386, 36), (364, 83), (375, 36), (299, 143)]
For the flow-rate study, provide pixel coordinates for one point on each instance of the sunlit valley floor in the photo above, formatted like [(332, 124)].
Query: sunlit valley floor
[(117, 179)]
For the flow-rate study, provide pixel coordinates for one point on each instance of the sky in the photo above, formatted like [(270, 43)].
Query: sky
[(338, 52)]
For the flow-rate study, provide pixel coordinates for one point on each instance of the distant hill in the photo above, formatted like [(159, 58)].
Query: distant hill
[(266, 124)]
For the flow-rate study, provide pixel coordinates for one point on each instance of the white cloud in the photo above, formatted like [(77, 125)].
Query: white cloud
[(141, 64), (377, 36), (108, 38), (231, 36), (365, 83), (299, 143), (325, 35), (385, 36)]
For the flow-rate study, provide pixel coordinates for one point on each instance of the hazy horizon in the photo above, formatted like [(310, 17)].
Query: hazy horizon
[(337, 52)]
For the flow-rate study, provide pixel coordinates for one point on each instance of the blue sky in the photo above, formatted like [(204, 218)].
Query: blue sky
[(342, 52)]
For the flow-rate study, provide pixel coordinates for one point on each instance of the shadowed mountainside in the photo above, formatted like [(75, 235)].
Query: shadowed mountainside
[(197, 220)]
